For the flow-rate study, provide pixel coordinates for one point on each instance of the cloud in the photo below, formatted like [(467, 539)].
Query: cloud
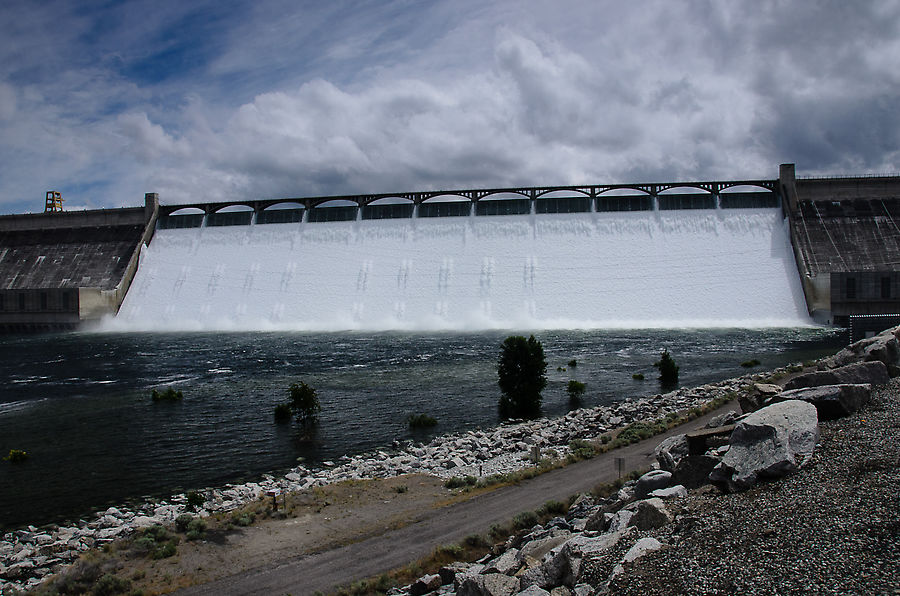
[(279, 99)]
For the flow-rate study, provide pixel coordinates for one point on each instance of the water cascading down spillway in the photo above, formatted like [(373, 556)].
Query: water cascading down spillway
[(692, 268)]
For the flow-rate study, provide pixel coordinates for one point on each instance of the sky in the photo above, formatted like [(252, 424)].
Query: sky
[(214, 100)]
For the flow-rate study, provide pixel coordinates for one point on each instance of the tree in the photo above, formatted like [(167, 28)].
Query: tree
[(522, 372), (575, 390), (668, 371), (305, 403)]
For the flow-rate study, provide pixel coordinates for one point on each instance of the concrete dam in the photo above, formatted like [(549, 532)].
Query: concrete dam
[(779, 252)]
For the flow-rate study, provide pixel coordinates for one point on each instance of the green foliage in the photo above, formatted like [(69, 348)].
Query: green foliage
[(182, 522), (751, 363), (168, 395), (196, 529), (522, 372), (155, 542), (305, 403), (573, 363), (457, 482), (638, 431), (524, 520), (16, 456), (575, 390), (668, 370), (110, 584), (421, 421), (552, 508), (283, 412), (475, 541), (242, 519), (637, 376), (401, 488), (582, 449), (195, 500)]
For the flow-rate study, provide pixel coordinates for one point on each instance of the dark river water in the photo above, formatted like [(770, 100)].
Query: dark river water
[(80, 404)]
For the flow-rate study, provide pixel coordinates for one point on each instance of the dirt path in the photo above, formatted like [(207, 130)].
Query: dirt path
[(275, 573)]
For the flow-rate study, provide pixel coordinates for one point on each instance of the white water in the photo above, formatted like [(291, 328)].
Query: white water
[(703, 268)]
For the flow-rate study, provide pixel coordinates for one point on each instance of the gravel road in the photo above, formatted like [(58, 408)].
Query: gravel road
[(326, 570)]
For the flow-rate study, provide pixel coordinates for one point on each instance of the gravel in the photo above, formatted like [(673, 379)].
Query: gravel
[(831, 528)]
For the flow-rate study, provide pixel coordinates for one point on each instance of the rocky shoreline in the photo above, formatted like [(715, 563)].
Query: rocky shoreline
[(30, 554), (801, 496)]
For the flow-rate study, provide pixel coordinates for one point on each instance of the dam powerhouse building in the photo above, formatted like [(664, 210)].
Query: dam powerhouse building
[(61, 269)]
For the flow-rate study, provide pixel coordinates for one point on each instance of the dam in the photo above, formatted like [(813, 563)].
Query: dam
[(745, 253)]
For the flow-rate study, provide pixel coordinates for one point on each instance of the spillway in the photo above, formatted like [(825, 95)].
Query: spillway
[(659, 269)]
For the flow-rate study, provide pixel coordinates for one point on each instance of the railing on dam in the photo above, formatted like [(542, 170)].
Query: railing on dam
[(466, 204)]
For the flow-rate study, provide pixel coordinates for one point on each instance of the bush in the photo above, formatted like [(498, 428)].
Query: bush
[(283, 412), (195, 500), (668, 370), (16, 456), (637, 377), (582, 449), (156, 542), (242, 519), (525, 520), (522, 372), (575, 391), (195, 529), (168, 395), (573, 363), (110, 584), (457, 482), (305, 403), (182, 522), (751, 363), (421, 421)]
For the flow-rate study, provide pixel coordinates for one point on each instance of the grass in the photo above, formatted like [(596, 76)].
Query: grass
[(168, 395), (16, 456)]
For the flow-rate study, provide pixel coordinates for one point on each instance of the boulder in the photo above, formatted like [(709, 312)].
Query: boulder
[(450, 574), (533, 591), (536, 549), (873, 373), (671, 451), (649, 514), (651, 481), (507, 563), (640, 548), (491, 584), (832, 401), (425, 584), (693, 471), (883, 347), (563, 566), (673, 492), (771, 442)]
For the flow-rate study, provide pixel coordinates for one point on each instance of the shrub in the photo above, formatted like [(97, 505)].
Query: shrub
[(195, 500), (582, 449), (475, 541), (283, 412), (552, 508), (457, 482), (182, 522), (421, 421), (751, 363), (111, 584), (305, 403), (525, 520), (16, 456), (573, 363), (575, 391), (196, 529), (668, 370), (156, 542), (401, 488), (242, 519), (522, 372), (168, 395), (637, 377)]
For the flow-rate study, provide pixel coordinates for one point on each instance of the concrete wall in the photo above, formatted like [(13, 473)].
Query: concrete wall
[(59, 269)]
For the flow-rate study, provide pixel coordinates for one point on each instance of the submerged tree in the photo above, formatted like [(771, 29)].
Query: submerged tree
[(522, 372), (668, 371), (575, 389), (305, 403)]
